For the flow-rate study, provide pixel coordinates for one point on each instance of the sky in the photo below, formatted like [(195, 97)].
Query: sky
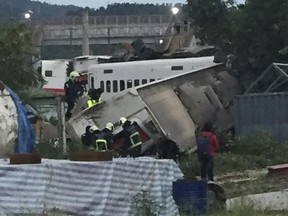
[(99, 3)]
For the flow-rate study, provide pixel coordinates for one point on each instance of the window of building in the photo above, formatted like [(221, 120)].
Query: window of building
[(129, 83), (115, 86), (177, 68), (48, 73), (92, 81), (107, 71), (102, 85), (108, 86), (136, 82), (144, 81), (122, 85), (152, 80)]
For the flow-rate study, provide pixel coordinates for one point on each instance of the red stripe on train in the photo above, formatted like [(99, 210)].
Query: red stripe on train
[(56, 90)]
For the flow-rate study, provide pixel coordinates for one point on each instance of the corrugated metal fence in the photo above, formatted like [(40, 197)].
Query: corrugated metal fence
[(267, 112)]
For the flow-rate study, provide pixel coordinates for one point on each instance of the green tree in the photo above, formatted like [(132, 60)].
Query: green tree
[(16, 58), (261, 31), (253, 33), (210, 19)]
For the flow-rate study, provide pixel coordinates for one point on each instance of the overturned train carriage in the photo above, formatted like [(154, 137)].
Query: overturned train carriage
[(167, 110)]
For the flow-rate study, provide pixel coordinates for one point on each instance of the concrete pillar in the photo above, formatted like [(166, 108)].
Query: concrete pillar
[(85, 24)]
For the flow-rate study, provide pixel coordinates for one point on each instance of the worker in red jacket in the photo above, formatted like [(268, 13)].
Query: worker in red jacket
[(206, 154)]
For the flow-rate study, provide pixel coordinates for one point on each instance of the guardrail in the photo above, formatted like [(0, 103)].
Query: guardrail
[(102, 20)]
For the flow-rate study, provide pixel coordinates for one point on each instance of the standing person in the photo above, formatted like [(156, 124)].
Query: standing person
[(207, 143), (132, 137), (74, 89), (68, 99), (95, 133), (86, 138), (94, 97), (108, 135)]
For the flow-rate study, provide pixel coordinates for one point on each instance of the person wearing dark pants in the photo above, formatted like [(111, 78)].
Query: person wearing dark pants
[(132, 137), (207, 143), (210, 167), (203, 166)]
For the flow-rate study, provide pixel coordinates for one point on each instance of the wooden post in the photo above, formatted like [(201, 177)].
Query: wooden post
[(61, 123)]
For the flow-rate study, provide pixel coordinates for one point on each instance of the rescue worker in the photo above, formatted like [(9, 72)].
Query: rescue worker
[(101, 143), (67, 86), (108, 135), (95, 132), (132, 137), (87, 137), (94, 97), (74, 89)]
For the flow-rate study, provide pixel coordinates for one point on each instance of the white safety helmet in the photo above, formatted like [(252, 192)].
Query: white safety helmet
[(93, 128), (110, 126), (122, 120), (73, 74)]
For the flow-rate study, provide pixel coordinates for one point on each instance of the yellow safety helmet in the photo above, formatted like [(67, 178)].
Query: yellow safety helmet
[(110, 126), (122, 120), (73, 74), (93, 128)]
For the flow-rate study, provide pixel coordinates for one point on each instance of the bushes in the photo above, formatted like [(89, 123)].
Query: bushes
[(239, 154)]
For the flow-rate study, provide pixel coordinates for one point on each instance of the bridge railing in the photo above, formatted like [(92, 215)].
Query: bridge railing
[(103, 20)]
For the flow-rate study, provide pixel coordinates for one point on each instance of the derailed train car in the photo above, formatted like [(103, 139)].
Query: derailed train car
[(167, 111)]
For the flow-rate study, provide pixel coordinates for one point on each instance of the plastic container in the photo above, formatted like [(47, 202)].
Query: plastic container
[(191, 196)]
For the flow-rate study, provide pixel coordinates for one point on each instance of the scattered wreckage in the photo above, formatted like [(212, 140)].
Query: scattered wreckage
[(167, 111)]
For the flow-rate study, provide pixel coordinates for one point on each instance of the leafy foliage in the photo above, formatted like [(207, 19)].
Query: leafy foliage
[(253, 33), (143, 205), (16, 58), (241, 153), (15, 9)]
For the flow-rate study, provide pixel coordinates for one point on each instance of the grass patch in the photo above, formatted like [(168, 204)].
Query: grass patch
[(248, 211), (242, 209), (239, 154), (223, 163), (54, 150), (260, 185)]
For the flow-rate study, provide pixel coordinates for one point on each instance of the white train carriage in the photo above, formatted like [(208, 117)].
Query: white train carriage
[(116, 77)]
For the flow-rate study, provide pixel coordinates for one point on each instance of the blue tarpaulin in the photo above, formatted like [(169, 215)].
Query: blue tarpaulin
[(26, 135)]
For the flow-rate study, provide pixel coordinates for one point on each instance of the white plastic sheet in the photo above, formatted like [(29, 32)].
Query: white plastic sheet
[(88, 188)]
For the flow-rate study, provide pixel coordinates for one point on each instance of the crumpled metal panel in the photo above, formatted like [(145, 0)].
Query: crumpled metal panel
[(8, 124), (126, 104), (184, 103), (172, 116)]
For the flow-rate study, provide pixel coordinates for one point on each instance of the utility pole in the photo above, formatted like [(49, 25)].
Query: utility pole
[(85, 24), (61, 123)]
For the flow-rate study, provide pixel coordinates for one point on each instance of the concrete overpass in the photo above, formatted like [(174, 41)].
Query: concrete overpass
[(61, 31)]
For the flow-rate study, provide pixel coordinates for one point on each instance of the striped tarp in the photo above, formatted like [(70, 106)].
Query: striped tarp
[(89, 188)]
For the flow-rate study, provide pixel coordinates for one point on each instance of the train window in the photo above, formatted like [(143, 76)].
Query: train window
[(92, 81), (177, 68), (108, 86), (144, 81), (122, 85), (136, 82), (108, 71), (102, 85), (129, 83), (48, 73), (152, 80), (115, 86)]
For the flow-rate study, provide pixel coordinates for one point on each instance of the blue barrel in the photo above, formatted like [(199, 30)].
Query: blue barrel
[(191, 196)]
